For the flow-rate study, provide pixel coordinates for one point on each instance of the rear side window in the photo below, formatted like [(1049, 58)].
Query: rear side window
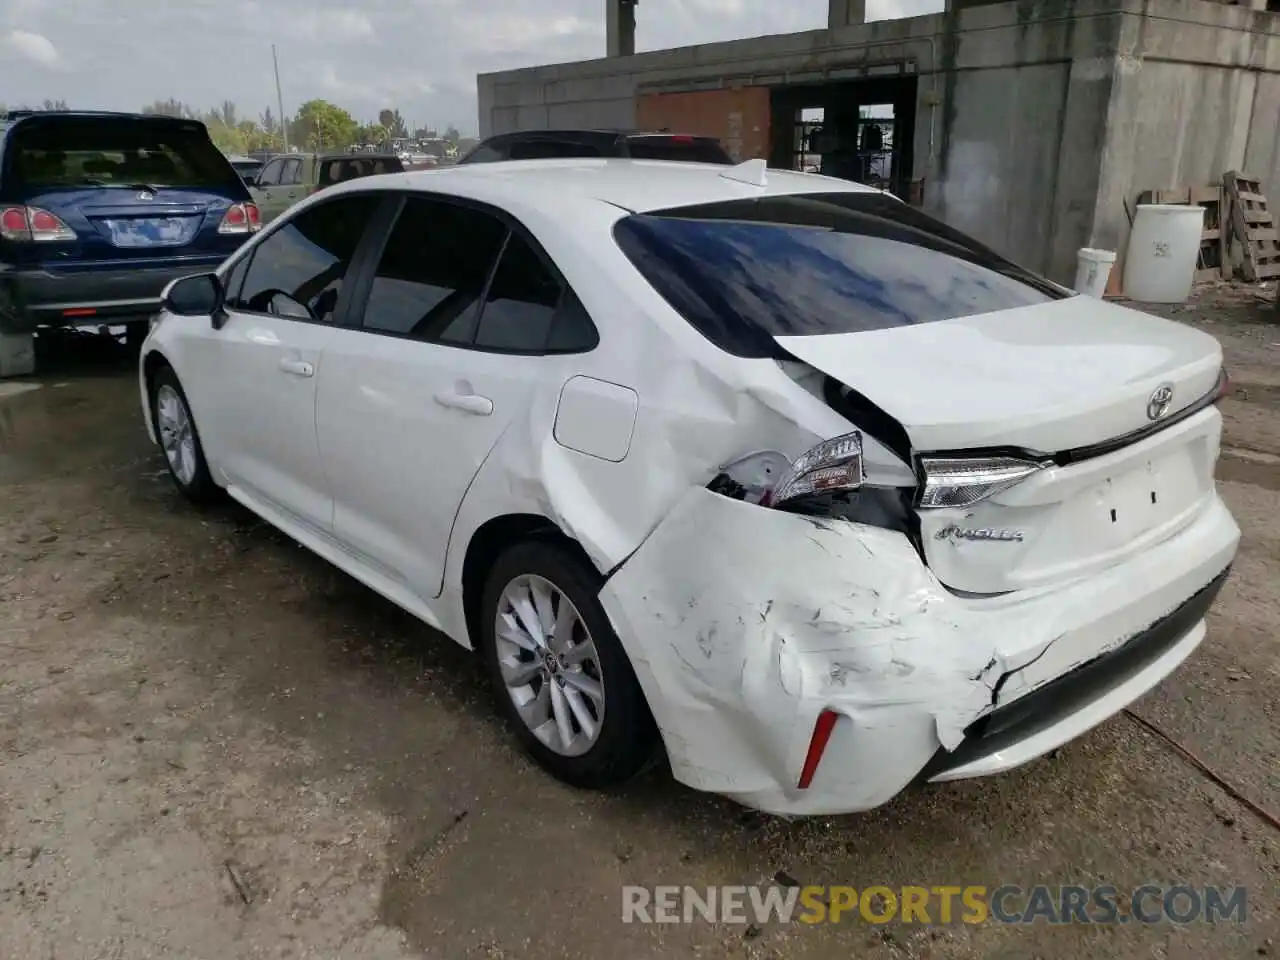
[(299, 270), (433, 272), (746, 271), (94, 151), (552, 150), (684, 149)]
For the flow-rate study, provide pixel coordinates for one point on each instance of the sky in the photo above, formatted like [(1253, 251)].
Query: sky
[(418, 56)]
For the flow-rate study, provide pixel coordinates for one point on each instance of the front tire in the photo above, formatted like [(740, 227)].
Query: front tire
[(559, 672), (179, 439)]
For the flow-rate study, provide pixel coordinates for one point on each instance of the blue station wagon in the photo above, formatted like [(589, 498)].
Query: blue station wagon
[(99, 211)]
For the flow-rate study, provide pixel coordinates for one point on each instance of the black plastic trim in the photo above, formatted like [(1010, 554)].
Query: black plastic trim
[(1069, 693)]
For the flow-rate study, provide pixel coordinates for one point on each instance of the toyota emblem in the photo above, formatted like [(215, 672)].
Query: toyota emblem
[(1160, 402)]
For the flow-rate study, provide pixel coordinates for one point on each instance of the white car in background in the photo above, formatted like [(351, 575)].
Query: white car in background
[(770, 469)]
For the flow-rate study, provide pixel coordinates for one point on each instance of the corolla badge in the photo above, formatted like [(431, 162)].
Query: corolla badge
[(1160, 402), (952, 532)]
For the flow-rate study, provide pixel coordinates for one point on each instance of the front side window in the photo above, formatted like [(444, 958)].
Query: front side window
[(745, 271), (270, 176), (292, 172), (299, 269), (433, 271)]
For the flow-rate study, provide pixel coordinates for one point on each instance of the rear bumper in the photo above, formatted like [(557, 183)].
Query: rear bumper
[(746, 625), (32, 298)]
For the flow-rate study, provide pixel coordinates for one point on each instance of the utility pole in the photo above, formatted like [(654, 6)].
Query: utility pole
[(284, 124)]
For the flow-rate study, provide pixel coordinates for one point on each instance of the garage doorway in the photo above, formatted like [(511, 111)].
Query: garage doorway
[(860, 130)]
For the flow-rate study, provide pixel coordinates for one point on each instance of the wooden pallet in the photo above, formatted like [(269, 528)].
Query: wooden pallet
[(1213, 261), (1252, 224)]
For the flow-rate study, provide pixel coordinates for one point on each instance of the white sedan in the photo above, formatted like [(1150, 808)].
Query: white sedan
[(768, 470)]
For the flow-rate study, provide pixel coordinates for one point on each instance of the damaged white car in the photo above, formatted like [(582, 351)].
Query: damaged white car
[(768, 469)]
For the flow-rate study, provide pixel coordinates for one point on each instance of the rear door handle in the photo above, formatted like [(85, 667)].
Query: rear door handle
[(299, 368), (466, 402)]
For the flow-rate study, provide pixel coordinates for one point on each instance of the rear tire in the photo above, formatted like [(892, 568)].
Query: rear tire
[(179, 439), (573, 699)]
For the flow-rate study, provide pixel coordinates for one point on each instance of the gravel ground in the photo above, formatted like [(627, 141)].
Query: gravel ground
[(214, 746)]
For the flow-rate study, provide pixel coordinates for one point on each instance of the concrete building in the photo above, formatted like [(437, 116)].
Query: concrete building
[(1030, 124)]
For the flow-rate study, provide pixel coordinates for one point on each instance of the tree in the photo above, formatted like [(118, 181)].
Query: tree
[(321, 124), (374, 133), (394, 123), (170, 108)]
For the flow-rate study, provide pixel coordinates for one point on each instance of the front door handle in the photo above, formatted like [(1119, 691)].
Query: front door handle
[(299, 368), (467, 402)]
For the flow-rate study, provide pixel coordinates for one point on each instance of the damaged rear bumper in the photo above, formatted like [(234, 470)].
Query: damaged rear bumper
[(746, 624)]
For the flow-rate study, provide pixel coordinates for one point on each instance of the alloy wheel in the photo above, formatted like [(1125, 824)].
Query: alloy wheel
[(549, 664)]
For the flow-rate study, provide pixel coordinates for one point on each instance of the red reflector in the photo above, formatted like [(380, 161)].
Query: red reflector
[(80, 312), (817, 744), (13, 219), (684, 140)]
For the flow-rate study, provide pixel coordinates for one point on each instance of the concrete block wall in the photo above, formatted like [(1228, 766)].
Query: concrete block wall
[(1035, 119), (1196, 93)]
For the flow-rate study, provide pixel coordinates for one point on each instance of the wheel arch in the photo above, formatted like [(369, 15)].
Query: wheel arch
[(488, 542)]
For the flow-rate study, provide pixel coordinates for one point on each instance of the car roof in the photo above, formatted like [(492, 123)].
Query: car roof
[(594, 132), (637, 186), (17, 115)]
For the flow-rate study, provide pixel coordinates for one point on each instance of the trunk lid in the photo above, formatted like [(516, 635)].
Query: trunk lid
[(1050, 377), (126, 223), (1044, 381)]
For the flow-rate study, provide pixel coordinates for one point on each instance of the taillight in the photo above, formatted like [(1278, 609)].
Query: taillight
[(962, 482), (13, 224), (241, 218), (32, 225)]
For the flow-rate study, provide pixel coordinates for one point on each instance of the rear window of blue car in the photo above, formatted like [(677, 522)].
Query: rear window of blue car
[(95, 151)]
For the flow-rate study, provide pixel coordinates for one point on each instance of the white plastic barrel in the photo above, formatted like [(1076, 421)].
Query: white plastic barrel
[(1093, 271), (1163, 247)]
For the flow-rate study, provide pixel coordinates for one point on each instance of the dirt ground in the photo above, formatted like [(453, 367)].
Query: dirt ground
[(214, 746)]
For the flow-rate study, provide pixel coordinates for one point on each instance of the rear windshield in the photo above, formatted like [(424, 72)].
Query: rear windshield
[(85, 151), (351, 168), (745, 271), (686, 149)]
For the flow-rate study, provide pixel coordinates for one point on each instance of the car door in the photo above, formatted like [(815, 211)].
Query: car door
[(268, 180), (456, 320), (291, 186), (257, 371)]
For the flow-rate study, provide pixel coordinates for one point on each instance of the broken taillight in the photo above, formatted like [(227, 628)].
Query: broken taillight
[(832, 465)]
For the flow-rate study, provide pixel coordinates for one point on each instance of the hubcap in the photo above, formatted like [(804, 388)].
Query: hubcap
[(549, 663), (176, 435)]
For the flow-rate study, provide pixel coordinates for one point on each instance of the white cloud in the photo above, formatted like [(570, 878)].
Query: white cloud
[(33, 47), (418, 56)]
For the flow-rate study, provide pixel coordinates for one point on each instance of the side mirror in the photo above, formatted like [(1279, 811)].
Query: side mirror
[(200, 295)]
